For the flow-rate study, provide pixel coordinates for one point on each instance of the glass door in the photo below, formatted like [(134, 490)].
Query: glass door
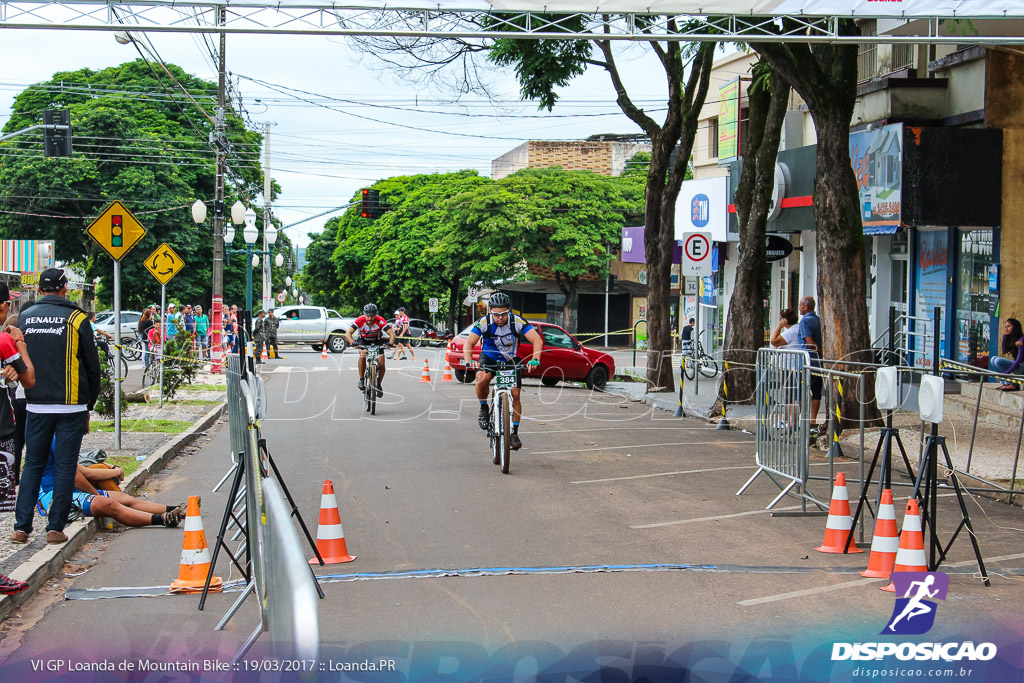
[(972, 314)]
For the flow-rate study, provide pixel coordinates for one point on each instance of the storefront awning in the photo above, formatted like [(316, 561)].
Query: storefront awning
[(880, 229)]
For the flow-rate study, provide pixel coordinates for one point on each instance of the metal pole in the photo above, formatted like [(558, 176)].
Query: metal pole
[(163, 339), (117, 355), (216, 305), (248, 277), (696, 341), (267, 220)]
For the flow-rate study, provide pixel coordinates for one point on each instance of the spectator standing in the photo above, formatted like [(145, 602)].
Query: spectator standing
[(259, 336), (202, 333), (402, 335), (270, 325), (66, 388), (188, 322), (784, 336), (1012, 345), (145, 324), (174, 322), (809, 335), (18, 403), (15, 366), (686, 336)]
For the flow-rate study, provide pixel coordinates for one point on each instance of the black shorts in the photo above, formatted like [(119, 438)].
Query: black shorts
[(490, 365), (817, 381)]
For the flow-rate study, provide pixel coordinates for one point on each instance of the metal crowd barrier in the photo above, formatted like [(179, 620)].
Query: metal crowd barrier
[(291, 600), (782, 412)]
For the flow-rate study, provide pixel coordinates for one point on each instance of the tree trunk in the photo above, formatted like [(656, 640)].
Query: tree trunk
[(744, 329), (569, 288)]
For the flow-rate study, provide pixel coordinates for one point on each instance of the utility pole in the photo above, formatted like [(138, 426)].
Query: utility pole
[(267, 218), (220, 142)]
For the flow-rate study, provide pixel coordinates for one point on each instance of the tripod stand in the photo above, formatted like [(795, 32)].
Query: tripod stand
[(884, 448), (926, 491)]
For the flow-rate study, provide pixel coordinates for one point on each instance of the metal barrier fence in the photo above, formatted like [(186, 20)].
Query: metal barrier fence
[(291, 601), (781, 437)]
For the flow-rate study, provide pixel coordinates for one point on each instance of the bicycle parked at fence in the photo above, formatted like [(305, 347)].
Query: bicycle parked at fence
[(695, 359)]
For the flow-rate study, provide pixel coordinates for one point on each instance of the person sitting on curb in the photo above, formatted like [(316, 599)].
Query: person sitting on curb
[(117, 505)]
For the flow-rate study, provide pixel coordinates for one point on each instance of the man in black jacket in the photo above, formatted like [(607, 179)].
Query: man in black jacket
[(67, 385)]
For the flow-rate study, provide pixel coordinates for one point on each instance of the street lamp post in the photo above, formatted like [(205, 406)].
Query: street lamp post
[(252, 257)]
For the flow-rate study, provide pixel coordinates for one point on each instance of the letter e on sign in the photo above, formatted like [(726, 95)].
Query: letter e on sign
[(696, 253)]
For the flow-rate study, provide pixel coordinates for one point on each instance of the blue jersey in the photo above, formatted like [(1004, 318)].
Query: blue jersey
[(499, 342)]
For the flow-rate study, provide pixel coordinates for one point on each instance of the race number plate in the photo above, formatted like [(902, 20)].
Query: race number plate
[(372, 353), (506, 379)]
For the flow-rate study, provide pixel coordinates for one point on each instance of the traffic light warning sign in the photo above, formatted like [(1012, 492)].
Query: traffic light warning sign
[(116, 230)]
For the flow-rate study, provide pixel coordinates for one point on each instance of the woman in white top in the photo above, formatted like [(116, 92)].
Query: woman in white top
[(784, 336)]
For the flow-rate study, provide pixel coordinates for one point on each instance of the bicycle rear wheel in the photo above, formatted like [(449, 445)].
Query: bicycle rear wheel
[(708, 366), (505, 450), (689, 367), (131, 349)]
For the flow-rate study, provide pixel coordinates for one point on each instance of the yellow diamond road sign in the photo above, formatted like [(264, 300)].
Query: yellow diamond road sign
[(116, 230), (164, 263)]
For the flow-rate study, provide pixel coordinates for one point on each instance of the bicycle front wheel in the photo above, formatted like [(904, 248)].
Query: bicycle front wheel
[(708, 366), (371, 389), (504, 414), (132, 349), (689, 367)]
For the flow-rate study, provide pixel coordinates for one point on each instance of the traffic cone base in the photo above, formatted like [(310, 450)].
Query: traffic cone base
[(447, 376), (839, 523), (910, 557), (330, 537), (425, 376), (195, 555), (885, 542)]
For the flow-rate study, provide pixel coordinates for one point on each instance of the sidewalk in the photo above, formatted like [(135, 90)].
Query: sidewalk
[(697, 399), (36, 562)]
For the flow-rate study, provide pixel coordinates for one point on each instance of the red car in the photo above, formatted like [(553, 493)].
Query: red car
[(564, 358)]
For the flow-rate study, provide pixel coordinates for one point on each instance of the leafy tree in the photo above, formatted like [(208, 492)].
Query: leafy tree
[(138, 140)]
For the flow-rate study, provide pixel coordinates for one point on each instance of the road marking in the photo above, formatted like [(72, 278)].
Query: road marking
[(851, 584), (712, 518), (642, 445), (616, 429), (662, 474)]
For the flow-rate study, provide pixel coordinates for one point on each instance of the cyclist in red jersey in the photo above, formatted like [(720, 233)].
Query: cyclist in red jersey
[(371, 328)]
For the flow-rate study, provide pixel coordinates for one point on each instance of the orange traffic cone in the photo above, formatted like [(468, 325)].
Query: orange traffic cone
[(323, 353), (447, 376), (330, 537), (263, 355), (839, 523), (425, 376), (910, 555), (886, 540), (195, 556)]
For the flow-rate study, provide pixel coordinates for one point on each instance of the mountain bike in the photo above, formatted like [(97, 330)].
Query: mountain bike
[(131, 348), (500, 429), (696, 358), (370, 379)]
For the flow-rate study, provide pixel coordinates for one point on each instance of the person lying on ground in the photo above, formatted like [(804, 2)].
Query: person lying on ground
[(117, 505)]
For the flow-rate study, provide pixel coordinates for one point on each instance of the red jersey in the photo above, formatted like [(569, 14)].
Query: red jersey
[(371, 329)]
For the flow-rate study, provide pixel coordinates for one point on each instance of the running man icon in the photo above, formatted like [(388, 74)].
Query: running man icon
[(914, 613)]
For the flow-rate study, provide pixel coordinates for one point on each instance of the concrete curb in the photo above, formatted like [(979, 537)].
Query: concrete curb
[(47, 562)]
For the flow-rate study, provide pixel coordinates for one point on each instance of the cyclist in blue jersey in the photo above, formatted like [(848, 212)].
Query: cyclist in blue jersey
[(501, 331)]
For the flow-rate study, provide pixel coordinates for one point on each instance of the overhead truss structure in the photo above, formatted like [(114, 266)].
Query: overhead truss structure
[(481, 22)]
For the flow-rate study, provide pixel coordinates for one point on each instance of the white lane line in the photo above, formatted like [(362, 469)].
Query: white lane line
[(616, 429), (860, 582), (711, 519), (642, 445), (662, 474)]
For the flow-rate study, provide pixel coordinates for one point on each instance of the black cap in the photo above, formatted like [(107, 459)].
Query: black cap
[(53, 279), (5, 293), (402, 309)]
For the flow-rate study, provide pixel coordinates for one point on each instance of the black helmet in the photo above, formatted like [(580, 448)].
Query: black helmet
[(370, 310), (499, 300)]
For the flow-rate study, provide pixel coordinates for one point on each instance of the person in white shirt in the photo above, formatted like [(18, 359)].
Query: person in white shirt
[(784, 336)]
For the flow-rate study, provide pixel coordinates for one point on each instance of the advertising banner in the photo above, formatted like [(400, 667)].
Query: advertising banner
[(930, 285), (729, 121), (633, 247), (877, 157)]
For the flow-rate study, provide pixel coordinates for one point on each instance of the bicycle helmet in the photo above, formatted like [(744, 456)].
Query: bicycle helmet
[(370, 310), (499, 300)]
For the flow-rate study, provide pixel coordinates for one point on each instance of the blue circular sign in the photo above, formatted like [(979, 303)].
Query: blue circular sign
[(700, 210)]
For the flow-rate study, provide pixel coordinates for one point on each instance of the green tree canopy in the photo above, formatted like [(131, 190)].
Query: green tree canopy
[(139, 140)]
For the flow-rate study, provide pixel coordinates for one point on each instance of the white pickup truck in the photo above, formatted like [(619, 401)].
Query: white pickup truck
[(313, 325)]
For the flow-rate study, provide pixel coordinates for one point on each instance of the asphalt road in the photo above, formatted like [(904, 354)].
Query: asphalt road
[(600, 481)]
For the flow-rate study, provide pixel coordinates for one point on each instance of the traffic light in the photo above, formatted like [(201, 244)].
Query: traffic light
[(57, 143), (370, 204)]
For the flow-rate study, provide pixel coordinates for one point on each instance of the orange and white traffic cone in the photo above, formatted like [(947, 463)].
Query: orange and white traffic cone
[(839, 523), (425, 376), (910, 555), (886, 540), (447, 376), (195, 556), (263, 355), (323, 352), (330, 537)]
